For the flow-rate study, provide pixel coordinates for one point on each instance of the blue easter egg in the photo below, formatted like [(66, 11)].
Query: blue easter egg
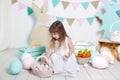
[(15, 67)]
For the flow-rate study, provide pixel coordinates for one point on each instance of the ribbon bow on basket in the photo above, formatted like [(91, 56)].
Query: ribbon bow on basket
[(42, 70)]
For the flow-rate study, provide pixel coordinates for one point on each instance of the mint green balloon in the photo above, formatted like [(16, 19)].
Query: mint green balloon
[(15, 67)]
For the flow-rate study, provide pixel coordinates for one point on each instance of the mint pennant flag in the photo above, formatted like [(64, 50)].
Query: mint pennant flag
[(60, 19), (85, 4), (114, 0), (118, 12), (90, 20), (30, 10), (55, 2)]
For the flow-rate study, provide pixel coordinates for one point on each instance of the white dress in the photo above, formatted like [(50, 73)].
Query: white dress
[(60, 64)]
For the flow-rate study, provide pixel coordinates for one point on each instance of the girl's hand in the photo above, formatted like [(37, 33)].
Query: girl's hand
[(44, 63), (66, 56)]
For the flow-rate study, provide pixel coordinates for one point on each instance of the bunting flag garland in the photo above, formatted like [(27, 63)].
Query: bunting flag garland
[(60, 19), (75, 5), (90, 20), (20, 5), (65, 4), (14, 1), (70, 21), (85, 5), (30, 10), (55, 2), (95, 4)]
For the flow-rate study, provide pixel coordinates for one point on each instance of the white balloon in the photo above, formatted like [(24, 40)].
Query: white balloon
[(99, 63)]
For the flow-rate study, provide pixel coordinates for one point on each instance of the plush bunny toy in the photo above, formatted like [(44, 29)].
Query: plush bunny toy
[(40, 32)]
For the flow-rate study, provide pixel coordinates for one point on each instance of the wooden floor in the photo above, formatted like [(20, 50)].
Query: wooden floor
[(88, 73)]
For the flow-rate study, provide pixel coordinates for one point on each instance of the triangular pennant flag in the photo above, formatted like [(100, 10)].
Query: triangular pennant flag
[(80, 20), (85, 4), (95, 3), (20, 5), (104, 1), (14, 1), (65, 4), (50, 18), (55, 2), (118, 1), (75, 4), (90, 20), (118, 12), (30, 11), (70, 21), (60, 19), (114, 1), (44, 1)]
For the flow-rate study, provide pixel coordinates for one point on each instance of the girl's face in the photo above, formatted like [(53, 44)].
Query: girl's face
[(55, 36)]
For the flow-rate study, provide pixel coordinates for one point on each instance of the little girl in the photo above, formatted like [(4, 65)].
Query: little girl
[(61, 51)]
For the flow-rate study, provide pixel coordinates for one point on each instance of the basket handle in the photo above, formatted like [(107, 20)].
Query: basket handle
[(84, 43), (41, 57), (113, 24)]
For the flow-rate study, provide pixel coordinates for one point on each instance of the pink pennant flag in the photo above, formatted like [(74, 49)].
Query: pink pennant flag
[(104, 1), (20, 5), (44, 1), (80, 20), (118, 1), (50, 17), (75, 4)]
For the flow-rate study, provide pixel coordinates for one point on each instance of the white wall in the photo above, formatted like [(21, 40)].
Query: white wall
[(5, 24), (22, 26), (23, 23)]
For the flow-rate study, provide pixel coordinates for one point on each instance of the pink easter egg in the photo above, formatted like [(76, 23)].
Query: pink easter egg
[(25, 56), (28, 62)]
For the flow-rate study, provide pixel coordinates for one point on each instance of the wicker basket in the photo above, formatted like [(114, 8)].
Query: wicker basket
[(41, 71), (114, 35), (82, 60)]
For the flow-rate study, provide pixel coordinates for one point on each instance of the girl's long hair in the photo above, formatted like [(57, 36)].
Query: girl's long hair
[(57, 27)]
